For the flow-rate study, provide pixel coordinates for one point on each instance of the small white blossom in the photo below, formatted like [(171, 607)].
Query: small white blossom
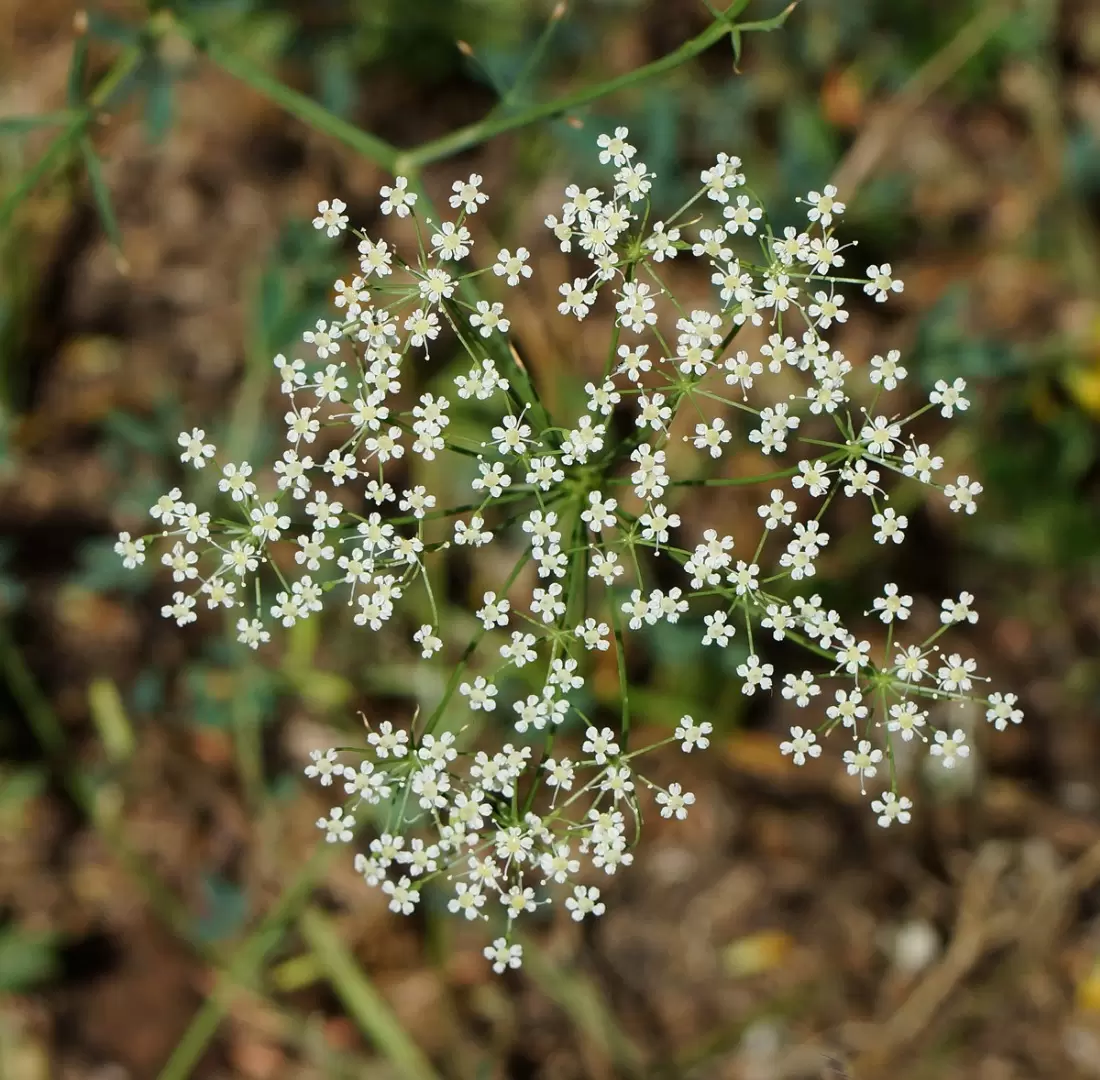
[(331, 217), (801, 745)]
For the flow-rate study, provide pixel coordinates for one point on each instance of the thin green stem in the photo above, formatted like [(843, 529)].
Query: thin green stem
[(69, 138), (491, 126), (297, 104), (243, 970)]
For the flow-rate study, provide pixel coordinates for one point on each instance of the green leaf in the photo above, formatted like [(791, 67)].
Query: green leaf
[(25, 960), (111, 721), (20, 125), (160, 106), (336, 80), (225, 909), (101, 196), (101, 570), (18, 788), (78, 68), (361, 998), (111, 29), (139, 433)]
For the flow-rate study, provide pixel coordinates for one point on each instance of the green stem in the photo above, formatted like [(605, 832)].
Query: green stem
[(67, 139), (297, 104), (243, 970), (491, 126)]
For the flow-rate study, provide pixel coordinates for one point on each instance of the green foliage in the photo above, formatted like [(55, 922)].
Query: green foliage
[(224, 909), (26, 959)]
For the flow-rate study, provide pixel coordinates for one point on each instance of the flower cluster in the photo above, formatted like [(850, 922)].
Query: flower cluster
[(591, 513)]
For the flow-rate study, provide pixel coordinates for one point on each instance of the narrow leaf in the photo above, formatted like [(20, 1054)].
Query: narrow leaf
[(160, 106), (774, 23), (111, 721), (360, 997), (100, 195), (25, 960), (78, 68), (19, 125), (111, 29)]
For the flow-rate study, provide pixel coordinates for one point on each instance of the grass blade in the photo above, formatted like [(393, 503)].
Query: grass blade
[(101, 195), (366, 1005), (20, 125), (77, 70)]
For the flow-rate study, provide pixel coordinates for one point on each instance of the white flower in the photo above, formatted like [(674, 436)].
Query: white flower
[(890, 526), (251, 632), (331, 217), (800, 688), (560, 773), (235, 481), (615, 148), (718, 631), (891, 605), (131, 551), (802, 744), (482, 694), (324, 338), (323, 766), (962, 494), (880, 283), (890, 809), (182, 562), (196, 450), (849, 708), (493, 612), (181, 609), (950, 748), (467, 901), (468, 194), (721, 177), (452, 241), (778, 511), (511, 266), (398, 199), (907, 718), (675, 802), (711, 437), (337, 827), (600, 744), (741, 216), (489, 317), (584, 902), (593, 635), (949, 398), (755, 674), (919, 461), (887, 371), (956, 674), (824, 205), (389, 741), (880, 435), (268, 523), (862, 762), (656, 523), (403, 897), (1003, 711), (956, 611), (577, 298), (502, 955)]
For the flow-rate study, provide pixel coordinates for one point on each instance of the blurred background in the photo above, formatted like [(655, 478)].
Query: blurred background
[(161, 912)]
